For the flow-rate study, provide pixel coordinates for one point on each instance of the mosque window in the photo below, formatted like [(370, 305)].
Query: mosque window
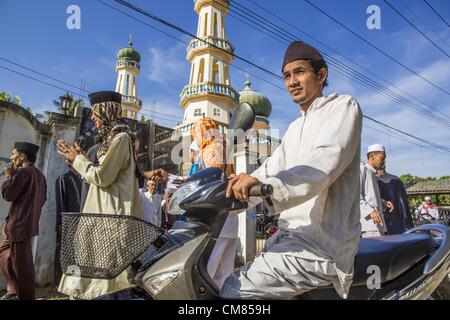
[(216, 112), (216, 28), (197, 112), (201, 70), (205, 25)]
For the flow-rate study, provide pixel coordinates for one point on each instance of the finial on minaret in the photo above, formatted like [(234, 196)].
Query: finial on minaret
[(247, 82), (130, 43)]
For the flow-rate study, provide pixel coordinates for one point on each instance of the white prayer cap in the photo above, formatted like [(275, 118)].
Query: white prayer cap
[(375, 148), (427, 198)]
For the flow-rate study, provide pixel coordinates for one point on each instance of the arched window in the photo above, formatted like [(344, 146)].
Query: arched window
[(216, 27), (215, 75), (192, 73), (127, 85), (205, 25), (201, 71)]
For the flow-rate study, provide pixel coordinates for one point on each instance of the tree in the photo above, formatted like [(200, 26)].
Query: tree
[(71, 110), (415, 201), (6, 96)]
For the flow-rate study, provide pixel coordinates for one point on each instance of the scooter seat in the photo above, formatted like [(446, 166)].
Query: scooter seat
[(394, 254)]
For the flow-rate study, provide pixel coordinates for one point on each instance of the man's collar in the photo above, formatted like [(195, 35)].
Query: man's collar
[(321, 101), (371, 168)]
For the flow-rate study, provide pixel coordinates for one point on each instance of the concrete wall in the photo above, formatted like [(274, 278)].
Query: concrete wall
[(61, 128), (17, 124)]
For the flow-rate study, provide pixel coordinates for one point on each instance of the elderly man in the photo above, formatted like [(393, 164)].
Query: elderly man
[(26, 189), (151, 204), (314, 173), (372, 220)]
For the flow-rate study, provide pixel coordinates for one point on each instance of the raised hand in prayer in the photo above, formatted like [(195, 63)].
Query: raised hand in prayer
[(9, 171), (390, 206), (68, 151), (158, 175), (80, 150)]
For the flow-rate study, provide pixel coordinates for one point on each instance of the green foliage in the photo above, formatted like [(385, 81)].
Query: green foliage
[(415, 201), (71, 110), (6, 96)]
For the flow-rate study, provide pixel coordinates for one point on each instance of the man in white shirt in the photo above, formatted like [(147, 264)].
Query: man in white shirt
[(315, 175), (151, 203), (371, 204), (428, 210)]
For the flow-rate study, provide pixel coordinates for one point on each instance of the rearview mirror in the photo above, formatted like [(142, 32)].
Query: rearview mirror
[(243, 117)]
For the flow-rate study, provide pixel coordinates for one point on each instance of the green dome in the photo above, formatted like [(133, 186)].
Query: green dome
[(260, 103), (129, 53)]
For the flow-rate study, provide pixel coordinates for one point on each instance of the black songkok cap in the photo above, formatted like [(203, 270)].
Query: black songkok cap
[(298, 50), (26, 146), (105, 96)]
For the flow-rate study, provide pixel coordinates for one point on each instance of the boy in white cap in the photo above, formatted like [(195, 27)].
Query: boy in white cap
[(371, 204)]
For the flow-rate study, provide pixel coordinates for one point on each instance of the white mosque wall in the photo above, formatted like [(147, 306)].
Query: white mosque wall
[(17, 124)]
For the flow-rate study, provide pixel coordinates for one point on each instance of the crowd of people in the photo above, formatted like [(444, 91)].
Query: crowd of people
[(326, 198)]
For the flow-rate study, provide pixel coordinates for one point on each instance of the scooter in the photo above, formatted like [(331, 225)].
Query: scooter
[(173, 265)]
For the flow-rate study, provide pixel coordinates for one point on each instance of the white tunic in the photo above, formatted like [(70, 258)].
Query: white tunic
[(151, 207), (315, 175), (370, 199)]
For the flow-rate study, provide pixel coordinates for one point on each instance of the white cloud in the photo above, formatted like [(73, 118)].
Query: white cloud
[(167, 65)]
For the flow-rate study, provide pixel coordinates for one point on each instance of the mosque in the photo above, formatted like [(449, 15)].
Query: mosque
[(209, 91)]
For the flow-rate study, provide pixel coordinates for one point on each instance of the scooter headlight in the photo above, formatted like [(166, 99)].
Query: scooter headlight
[(158, 283), (179, 195)]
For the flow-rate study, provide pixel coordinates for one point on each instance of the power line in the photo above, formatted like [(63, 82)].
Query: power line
[(417, 29), (376, 121), (431, 116), (186, 43), (424, 24), (165, 22), (43, 82), (55, 79), (337, 52), (348, 71), (437, 13), (185, 32), (444, 148), (376, 48), (39, 73)]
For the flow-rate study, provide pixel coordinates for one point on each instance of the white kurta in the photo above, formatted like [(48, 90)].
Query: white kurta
[(151, 207), (315, 175), (370, 199), (221, 261)]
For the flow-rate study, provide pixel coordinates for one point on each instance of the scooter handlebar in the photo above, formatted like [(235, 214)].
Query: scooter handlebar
[(261, 190)]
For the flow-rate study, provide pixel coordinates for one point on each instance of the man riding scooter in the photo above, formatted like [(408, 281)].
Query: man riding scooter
[(315, 176)]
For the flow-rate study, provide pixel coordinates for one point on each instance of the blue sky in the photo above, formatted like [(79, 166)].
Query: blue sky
[(34, 34)]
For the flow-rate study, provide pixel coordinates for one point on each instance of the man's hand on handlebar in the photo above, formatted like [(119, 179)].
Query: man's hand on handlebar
[(240, 185)]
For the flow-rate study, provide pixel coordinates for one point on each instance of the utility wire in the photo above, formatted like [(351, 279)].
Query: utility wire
[(337, 52), (417, 29), (348, 71), (425, 24), (376, 48), (437, 13), (376, 121)]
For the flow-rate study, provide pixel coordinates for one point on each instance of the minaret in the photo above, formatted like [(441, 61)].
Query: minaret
[(209, 91), (128, 68)]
